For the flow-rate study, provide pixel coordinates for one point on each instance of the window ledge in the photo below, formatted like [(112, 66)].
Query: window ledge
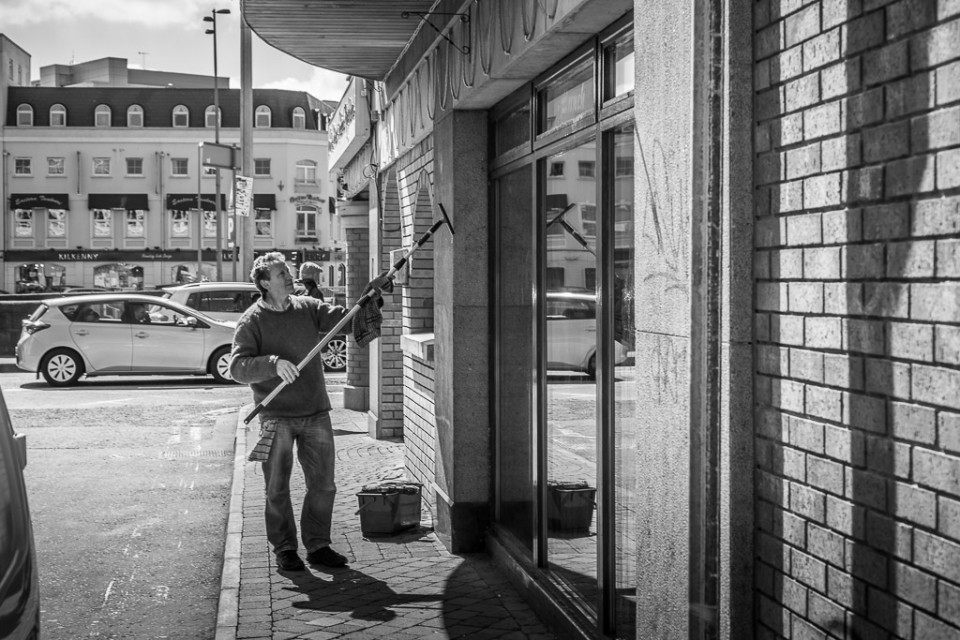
[(418, 345)]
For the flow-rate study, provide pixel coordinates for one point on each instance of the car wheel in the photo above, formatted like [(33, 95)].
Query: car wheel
[(592, 367), (334, 356), (61, 367), (220, 366)]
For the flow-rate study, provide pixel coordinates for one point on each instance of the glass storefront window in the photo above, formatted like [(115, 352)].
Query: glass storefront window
[(263, 223), (209, 224), (618, 64), (180, 224), (571, 376), (135, 223), (56, 223), (516, 264), (23, 223), (102, 223), (512, 131), (567, 98), (118, 276)]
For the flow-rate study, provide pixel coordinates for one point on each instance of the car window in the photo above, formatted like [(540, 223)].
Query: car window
[(225, 301), (570, 310), (161, 314), (94, 312)]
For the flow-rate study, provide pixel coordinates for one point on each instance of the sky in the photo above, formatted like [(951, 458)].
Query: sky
[(160, 35)]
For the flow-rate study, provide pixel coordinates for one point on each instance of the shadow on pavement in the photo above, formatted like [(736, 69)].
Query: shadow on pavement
[(352, 591)]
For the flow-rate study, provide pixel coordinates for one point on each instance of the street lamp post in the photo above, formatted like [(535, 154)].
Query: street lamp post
[(212, 19)]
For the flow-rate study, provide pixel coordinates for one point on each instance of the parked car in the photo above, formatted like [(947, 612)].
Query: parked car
[(122, 334), (19, 582), (572, 333), (228, 301)]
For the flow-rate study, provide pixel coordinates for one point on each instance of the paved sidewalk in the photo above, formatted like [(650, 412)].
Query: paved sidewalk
[(401, 587)]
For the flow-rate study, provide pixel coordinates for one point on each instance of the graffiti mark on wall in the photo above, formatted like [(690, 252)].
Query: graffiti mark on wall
[(665, 217)]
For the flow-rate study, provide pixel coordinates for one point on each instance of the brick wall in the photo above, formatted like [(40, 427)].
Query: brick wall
[(857, 324), (391, 357), (358, 255), (420, 430)]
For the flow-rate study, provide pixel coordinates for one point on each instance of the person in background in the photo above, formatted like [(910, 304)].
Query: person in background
[(307, 284), (272, 335)]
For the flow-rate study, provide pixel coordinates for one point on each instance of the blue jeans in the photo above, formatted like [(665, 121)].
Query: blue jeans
[(316, 453)]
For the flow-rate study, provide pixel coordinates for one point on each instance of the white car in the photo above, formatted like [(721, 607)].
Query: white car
[(122, 334), (572, 333), (228, 301)]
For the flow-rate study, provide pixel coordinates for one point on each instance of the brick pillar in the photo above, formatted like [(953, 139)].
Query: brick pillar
[(390, 407), (356, 392)]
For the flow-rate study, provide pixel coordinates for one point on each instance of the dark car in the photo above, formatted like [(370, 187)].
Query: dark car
[(19, 583)]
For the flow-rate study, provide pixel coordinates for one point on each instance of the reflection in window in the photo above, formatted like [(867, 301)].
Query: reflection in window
[(566, 98), (56, 223), (263, 223), (23, 223), (618, 60), (101, 166), (209, 224), (180, 224), (556, 169), (102, 223), (55, 167), (512, 130), (118, 276), (135, 227), (587, 168)]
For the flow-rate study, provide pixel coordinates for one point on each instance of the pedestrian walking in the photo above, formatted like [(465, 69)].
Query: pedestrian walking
[(272, 336), (307, 284)]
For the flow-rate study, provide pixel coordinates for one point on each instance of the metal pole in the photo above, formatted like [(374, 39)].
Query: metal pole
[(199, 210), (216, 139), (246, 223)]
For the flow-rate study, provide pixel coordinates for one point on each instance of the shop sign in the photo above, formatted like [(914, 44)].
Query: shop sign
[(349, 126), (39, 200)]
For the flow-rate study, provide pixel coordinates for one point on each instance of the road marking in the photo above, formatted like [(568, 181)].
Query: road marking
[(106, 596)]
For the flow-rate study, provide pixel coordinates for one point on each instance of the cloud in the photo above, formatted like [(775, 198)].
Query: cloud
[(322, 83), (155, 13)]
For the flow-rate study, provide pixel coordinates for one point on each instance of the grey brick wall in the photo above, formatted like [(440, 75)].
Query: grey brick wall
[(857, 318)]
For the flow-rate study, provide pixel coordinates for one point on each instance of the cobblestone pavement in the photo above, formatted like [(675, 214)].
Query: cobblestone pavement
[(402, 586)]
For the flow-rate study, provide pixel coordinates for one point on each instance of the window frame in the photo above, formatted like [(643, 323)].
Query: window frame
[(99, 111), (309, 166), (262, 217), (134, 174), (133, 218), (175, 163), (257, 163), (212, 110), (262, 110), (50, 165), (24, 109), (101, 224), (24, 219), (58, 115), (97, 162), (303, 213), (23, 166), (135, 110), (180, 110), (56, 223), (298, 118)]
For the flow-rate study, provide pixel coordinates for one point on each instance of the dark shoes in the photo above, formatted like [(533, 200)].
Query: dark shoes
[(327, 557), (289, 561)]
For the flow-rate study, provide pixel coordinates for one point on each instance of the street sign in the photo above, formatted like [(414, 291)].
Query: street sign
[(244, 197), (222, 156)]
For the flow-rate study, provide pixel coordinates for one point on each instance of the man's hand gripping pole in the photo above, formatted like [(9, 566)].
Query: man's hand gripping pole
[(364, 299)]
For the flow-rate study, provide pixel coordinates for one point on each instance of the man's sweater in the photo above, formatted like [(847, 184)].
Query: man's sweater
[(263, 335)]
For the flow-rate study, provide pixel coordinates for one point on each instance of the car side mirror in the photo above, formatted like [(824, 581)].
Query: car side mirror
[(187, 321), (21, 443)]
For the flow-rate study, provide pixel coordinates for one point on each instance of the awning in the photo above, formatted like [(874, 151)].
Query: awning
[(40, 200), (358, 37), (265, 201), (188, 201), (131, 201)]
